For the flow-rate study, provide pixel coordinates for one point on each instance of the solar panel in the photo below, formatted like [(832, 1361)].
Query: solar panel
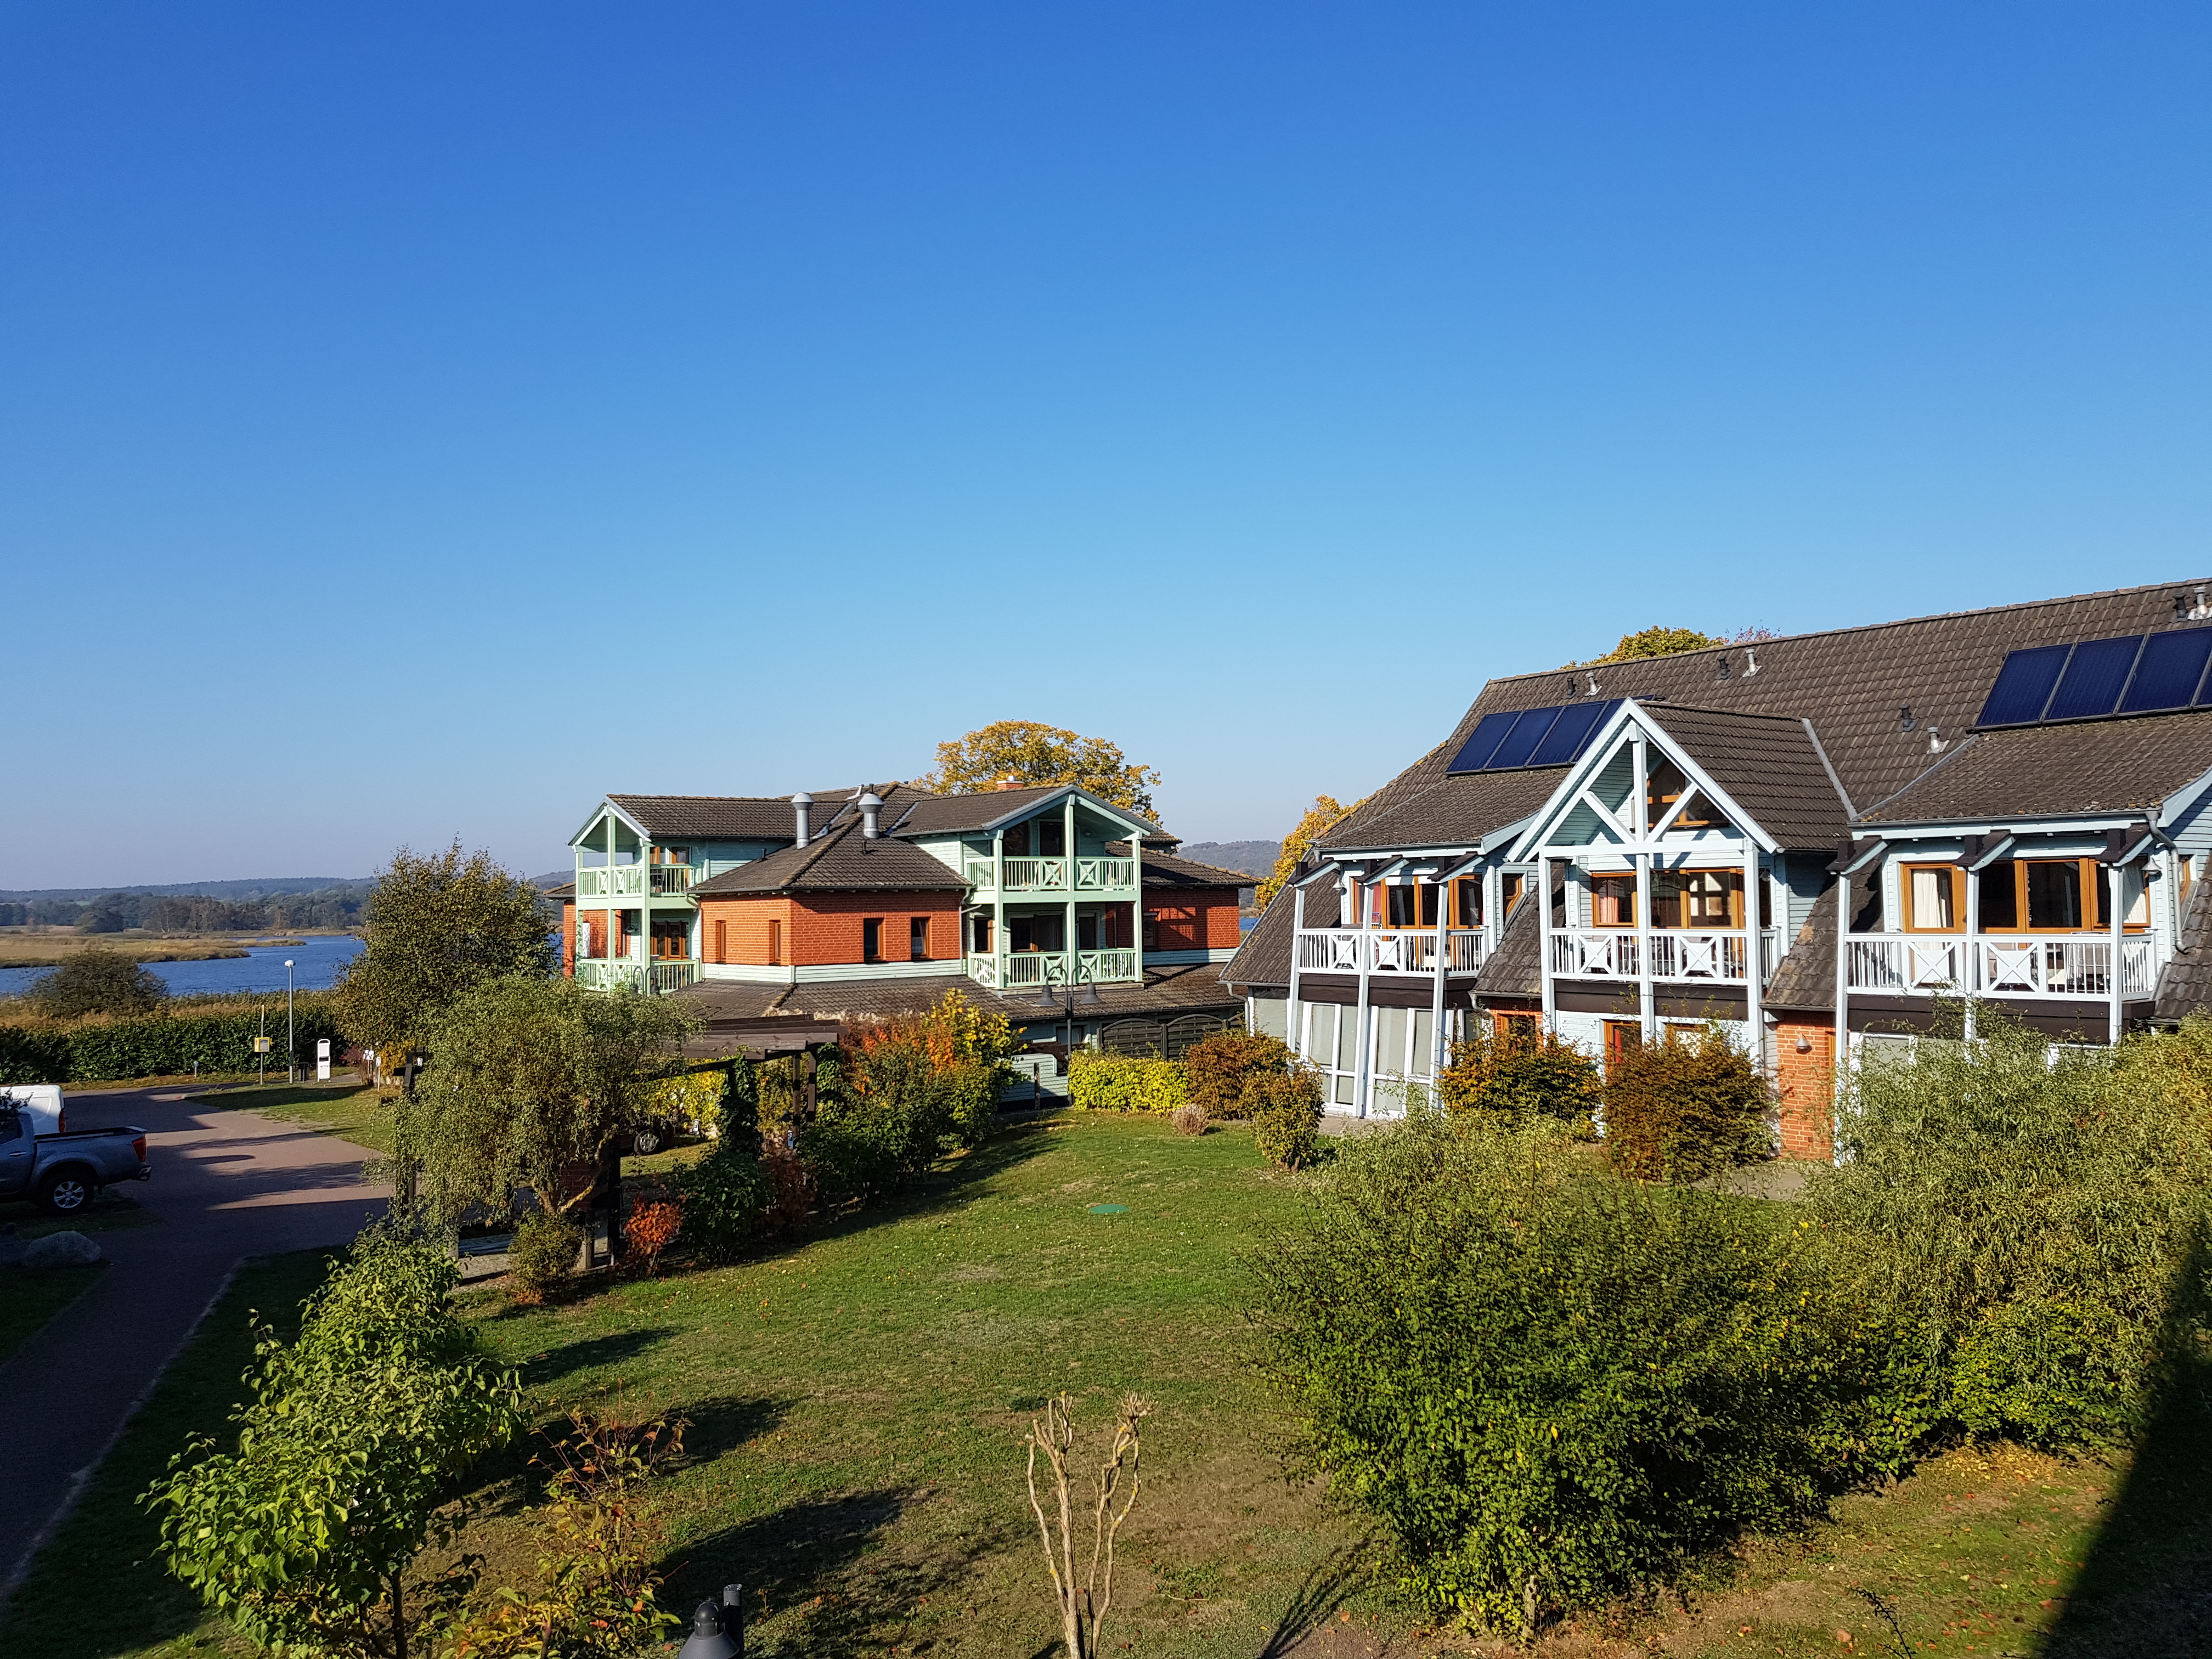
[(1474, 754), (2092, 682), (1521, 742), (2168, 670), (1571, 733), (2023, 685)]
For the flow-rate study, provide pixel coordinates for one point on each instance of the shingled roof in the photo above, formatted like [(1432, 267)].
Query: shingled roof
[(722, 818), (1168, 991), (2184, 986), (1768, 765), (844, 860), (952, 814), (2050, 771)]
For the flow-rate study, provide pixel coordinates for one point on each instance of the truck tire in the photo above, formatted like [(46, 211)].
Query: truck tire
[(66, 1191)]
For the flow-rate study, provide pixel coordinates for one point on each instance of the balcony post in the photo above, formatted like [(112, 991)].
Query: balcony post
[(1291, 1027), (1969, 971), (1442, 967), (1647, 1008), (1843, 1043), (1543, 897), (1363, 1073), (2116, 898), (1137, 903), (1754, 956)]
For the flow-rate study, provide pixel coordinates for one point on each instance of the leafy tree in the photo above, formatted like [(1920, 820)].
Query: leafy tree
[(437, 927), (529, 1081), (97, 982), (104, 915), (345, 1461), (1323, 816), (1660, 643), (1029, 753)]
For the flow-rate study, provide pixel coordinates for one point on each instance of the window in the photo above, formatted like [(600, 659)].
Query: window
[(2055, 895), (1514, 1028), (1051, 838), (1613, 901), (722, 941), (917, 939), (672, 940), (1664, 787), (776, 943), (979, 935), (1696, 898), (1934, 898), (1409, 907), (1018, 841), (1510, 891), (1622, 1036), (671, 856), (1466, 902), (872, 939)]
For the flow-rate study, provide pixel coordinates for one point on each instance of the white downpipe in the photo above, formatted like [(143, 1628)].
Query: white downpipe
[(1292, 1016), (1755, 966), (1543, 899)]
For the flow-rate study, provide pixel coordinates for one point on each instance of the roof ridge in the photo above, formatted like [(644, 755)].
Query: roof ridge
[(1731, 713), (1856, 628)]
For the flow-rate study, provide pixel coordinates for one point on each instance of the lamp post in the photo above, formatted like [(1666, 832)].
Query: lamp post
[(291, 1060)]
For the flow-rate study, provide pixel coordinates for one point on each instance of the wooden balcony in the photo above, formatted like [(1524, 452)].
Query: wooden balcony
[(1706, 956), (1051, 876), (2058, 965), (1387, 950)]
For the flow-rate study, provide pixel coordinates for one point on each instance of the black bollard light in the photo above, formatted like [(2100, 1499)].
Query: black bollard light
[(718, 1630)]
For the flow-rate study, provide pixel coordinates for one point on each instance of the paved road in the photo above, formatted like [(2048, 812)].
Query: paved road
[(227, 1185)]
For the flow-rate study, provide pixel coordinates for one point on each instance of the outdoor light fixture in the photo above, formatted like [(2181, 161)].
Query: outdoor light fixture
[(1804, 1043), (718, 1630)]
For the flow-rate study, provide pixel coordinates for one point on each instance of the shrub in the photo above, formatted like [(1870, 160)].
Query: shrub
[(650, 1227), (1188, 1120), (724, 1196), (1284, 1108), (693, 1100), (1107, 1083), (1550, 1386), (2030, 1219), (543, 1255), (1516, 1072), (96, 981), (215, 1034), (1222, 1067), (1685, 1108)]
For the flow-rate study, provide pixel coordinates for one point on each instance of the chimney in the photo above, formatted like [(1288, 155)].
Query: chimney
[(871, 804), (802, 809), (1009, 782)]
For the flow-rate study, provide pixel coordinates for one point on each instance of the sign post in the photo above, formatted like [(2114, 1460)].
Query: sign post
[(322, 1060)]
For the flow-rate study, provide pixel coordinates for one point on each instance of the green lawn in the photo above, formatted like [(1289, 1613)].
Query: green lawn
[(857, 1401), (352, 1111), (28, 1299)]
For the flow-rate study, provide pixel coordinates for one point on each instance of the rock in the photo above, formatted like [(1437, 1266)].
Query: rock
[(60, 1250)]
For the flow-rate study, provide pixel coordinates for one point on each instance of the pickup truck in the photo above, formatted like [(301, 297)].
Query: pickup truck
[(41, 1157)]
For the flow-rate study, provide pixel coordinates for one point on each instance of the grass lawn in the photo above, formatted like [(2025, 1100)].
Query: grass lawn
[(28, 1299), (351, 1110), (857, 1401)]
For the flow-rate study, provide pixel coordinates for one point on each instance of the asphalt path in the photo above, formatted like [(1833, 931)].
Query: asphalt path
[(227, 1185)]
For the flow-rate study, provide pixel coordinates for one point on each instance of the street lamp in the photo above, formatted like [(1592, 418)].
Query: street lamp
[(291, 1060)]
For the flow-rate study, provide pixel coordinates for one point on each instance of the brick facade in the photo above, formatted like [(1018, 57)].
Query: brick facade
[(605, 924), (824, 929), (1198, 919), (1806, 1084)]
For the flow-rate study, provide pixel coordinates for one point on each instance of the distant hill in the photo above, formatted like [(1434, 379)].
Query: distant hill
[(1255, 858), (257, 888), (553, 878)]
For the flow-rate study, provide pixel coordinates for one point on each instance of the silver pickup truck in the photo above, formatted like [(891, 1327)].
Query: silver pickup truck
[(41, 1157)]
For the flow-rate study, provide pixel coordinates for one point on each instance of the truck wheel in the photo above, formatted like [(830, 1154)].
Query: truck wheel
[(646, 1140), (65, 1192)]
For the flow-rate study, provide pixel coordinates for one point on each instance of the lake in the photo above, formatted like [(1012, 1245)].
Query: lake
[(316, 963)]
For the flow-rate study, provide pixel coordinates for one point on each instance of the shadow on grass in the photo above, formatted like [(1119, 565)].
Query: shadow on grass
[(590, 1353), (1330, 1580), (821, 1563), (2145, 1587)]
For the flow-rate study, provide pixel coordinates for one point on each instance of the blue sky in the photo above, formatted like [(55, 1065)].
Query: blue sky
[(416, 421)]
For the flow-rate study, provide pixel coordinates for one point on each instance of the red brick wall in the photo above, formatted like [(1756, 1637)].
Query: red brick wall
[(824, 929), (602, 939), (1806, 1083), (568, 936), (1201, 919)]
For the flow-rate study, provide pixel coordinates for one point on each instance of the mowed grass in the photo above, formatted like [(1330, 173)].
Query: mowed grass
[(351, 1110), (857, 1399)]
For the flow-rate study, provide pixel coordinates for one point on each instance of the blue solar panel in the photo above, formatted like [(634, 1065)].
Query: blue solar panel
[(1474, 754), (2093, 678), (2024, 686), (1521, 742), (2167, 672), (1571, 732)]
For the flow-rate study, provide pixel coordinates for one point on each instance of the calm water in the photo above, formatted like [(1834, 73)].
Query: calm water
[(315, 960)]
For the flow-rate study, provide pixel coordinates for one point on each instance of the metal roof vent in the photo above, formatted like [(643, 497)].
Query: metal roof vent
[(1905, 720), (871, 804), (1725, 665), (2185, 611), (1750, 662), (802, 814)]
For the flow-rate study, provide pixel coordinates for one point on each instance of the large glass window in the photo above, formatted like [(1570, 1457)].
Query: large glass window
[(1933, 897), (1613, 901), (2056, 896), (1664, 787), (1051, 838), (1696, 898), (1466, 902)]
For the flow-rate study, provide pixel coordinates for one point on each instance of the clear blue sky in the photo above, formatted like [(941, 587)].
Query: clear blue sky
[(419, 420)]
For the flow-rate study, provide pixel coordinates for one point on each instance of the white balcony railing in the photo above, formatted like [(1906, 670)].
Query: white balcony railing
[(1387, 950), (612, 881), (1020, 971), (1103, 967), (1713, 957), (660, 976), (2001, 966), (1024, 968), (1050, 875)]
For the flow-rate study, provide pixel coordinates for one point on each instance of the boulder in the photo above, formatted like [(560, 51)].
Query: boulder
[(60, 1250)]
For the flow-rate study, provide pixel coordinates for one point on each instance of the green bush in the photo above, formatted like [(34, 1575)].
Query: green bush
[(542, 1255), (1220, 1069), (1685, 1108), (1108, 1083), (2030, 1219), (1552, 1387), (693, 1098), (95, 980), (1516, 1072), (1284, 1108), (725, 1195), (215, 1035)]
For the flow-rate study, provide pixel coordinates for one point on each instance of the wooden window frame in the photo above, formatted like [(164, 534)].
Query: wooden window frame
[(1461, 891), (1737, 908), (1622, 1037), (721, 939), (775, 941), (872, 939), (1656, 806), (2093, 920), (1628, 877), (917, 939), (1912, 919)]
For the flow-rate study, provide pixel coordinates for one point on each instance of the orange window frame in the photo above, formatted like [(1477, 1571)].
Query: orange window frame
[(1621, 888), (1906, 892), (2093, 920)]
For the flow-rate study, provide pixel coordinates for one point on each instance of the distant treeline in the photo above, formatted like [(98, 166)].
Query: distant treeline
[(194, 913)]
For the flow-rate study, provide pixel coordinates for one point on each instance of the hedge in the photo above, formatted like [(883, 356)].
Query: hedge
[(215, 1037), (1103, 1083)]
